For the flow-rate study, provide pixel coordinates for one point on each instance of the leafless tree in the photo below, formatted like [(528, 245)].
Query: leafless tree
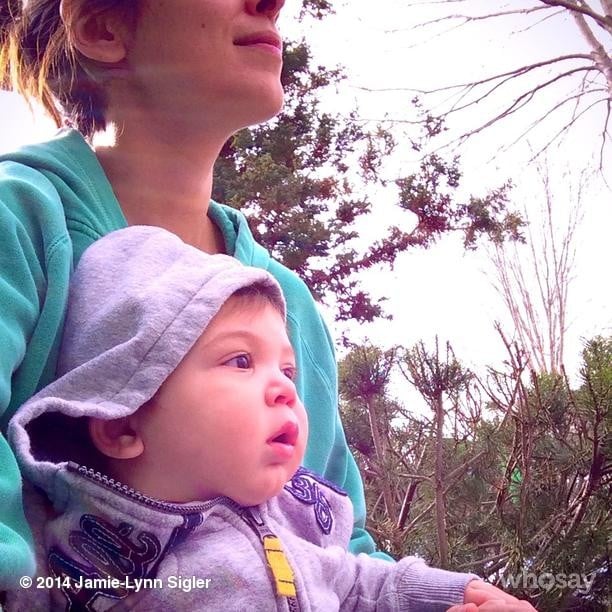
[(533, 278), (581, 81)]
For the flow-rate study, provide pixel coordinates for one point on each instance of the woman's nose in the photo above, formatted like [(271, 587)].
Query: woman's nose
[(269, 8), (281, 391)]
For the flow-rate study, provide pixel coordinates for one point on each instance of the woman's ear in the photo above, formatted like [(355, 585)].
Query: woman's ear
[(116, 438), (99, 36)]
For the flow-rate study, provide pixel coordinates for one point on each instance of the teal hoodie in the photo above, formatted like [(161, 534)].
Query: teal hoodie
[(55, 200)]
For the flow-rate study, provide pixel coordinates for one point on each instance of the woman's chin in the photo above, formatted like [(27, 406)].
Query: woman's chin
[(265, 109)]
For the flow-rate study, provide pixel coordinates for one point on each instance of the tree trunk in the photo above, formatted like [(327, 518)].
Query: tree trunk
[(439, 484), (379, 447)]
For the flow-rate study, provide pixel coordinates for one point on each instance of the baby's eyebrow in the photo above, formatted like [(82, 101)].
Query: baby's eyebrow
[(237, 334), (244, 335)]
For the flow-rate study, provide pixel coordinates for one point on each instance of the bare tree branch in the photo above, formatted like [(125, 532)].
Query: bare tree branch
[(603, 20), (535, 289), (472, 84), (593, 71), (464, 19)]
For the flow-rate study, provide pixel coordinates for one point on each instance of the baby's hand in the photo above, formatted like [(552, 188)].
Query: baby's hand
[(495, 606), (483, 597)]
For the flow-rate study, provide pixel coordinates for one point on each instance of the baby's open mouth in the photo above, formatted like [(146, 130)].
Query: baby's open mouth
[(288, 434)]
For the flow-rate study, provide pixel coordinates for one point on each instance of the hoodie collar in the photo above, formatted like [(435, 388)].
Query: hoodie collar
[(239, 241)]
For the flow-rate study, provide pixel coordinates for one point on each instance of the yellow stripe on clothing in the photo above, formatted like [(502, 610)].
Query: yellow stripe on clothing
[(281, 570)]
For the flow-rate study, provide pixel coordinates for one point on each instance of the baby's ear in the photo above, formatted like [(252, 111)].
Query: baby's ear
[(116, 438)]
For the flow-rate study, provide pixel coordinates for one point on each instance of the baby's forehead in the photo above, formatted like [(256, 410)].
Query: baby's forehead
[(258, 319), (254, 298), (244, 306)]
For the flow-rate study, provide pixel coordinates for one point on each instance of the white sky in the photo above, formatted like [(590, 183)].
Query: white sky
[(443, 290)]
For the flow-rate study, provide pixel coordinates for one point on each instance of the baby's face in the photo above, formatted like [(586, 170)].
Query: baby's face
[(228, 420)]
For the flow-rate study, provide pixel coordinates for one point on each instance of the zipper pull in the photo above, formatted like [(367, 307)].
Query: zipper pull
[(273, 550), (281, 570)]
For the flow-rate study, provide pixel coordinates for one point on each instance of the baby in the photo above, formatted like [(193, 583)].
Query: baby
[(170, 449)]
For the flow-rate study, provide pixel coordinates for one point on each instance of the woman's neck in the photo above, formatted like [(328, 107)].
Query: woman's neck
[(164, 183)]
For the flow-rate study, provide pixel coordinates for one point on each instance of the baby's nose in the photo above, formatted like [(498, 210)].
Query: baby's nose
[(281, 391)]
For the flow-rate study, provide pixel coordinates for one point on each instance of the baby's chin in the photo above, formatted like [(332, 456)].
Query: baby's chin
[(256, 499), (261, 496)]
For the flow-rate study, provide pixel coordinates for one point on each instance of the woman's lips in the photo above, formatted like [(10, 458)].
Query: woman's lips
[(266, 41), (267, 47)]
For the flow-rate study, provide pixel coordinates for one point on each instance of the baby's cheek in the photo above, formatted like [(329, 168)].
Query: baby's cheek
[(304, 427)]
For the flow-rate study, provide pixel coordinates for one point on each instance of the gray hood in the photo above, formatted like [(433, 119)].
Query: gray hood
[(139, 299)]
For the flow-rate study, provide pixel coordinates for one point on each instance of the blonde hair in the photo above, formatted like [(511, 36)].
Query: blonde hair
[(38, 60)]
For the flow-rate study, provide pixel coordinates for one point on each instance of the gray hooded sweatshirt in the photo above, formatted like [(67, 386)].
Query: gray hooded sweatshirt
[(139, 300)]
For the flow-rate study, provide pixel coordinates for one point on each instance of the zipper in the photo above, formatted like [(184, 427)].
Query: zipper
[(275, 556), (251, 516), (140, 498)]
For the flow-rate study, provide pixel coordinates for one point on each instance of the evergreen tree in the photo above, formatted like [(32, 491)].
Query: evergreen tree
[(519, 464), (301, 181)]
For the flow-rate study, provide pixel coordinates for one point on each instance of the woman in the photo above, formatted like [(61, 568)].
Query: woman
[(175, 79)]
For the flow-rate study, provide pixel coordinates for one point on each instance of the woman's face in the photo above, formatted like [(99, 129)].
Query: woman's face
[(208, 62)]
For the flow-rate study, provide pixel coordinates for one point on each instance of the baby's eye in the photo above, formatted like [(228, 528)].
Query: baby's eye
[(242, 362), (290, 372)]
